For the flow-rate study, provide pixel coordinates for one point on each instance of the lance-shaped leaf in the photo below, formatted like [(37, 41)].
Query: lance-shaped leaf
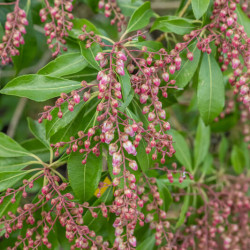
[(201, 143), (173, 24), (199, 7), (238, 159), (64, 65), (84, 179), (38, 87), (38, 130), (90, 53), (211, 91), (10, 148), (183, 212), (188, 68), (182, 154), (243, 20), (8, 179), (164, 193), (140, 17)]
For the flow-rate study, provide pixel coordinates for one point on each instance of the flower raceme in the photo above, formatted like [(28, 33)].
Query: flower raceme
[(14, 31), (56, 29)]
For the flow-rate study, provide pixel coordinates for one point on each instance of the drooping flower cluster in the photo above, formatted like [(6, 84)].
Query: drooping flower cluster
[(54, 204), (222, 222), (14, 31), (112, 9), (56, 30)]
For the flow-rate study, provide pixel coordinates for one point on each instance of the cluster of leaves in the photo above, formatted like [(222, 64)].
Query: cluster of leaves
[(120, 86)]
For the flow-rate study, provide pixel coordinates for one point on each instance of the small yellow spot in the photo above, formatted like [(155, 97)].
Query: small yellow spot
[(106, 182)]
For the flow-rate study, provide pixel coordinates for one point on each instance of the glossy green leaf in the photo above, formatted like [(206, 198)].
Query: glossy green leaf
[(10, 148), (201, 143), (145, 160), (38, 87), (127, 7), (238, 159), (164, 194), (199, 7), (188, 68), (152, 46), (90, 53), (84, 179), (207, 165), (223, 148), (8, 179), (183, 212), (88, 74), (148, 243), (97, 223), (38, 130), (177, 25), (77, 27), (140, 17), (14, 163), (57, 123), (8, 206), (243, 19), (182, 154), (210, 92), (64, 65)]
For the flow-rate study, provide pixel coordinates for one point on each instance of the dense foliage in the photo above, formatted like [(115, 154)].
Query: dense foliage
[(144, 137)]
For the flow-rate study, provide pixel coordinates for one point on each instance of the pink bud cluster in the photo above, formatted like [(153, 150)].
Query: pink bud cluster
[(60, 15), (14, 31), (73, 99), (111, 8), (62, 208), (222, 222)]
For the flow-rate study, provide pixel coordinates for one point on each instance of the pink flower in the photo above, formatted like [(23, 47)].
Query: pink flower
[(117, 159), (129, 147)]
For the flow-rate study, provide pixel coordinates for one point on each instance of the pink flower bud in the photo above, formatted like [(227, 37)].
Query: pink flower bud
[(99, 56), (133, 165), (235, 63), (132, 241), (120, 70), (157, 81), (129, 147), (230, 21), (190, 56), (121, 56), (76, 98), (165, 76), (172, 69), (117, 159), (177, 61)]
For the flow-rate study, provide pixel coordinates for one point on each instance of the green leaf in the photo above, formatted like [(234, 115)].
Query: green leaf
[(63, 65), (129, 8), (152, 46), (238, 159), (140, 18), (90, 53), (182, 154), (184, 210), (77, 27), (225, 124), (84, 179), (38, 130), (164, 193), (207, 165), (243, 19), (188, 68), (145, 160), (223, 148), (38, 87), (10, 148), (201, 143), (199, 7), (210, 92), (177, 25), (14, 164), (57, 123), (88, 74), (127, 91), (97, 223), (8, 206), (8, 179), (148, 243)]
